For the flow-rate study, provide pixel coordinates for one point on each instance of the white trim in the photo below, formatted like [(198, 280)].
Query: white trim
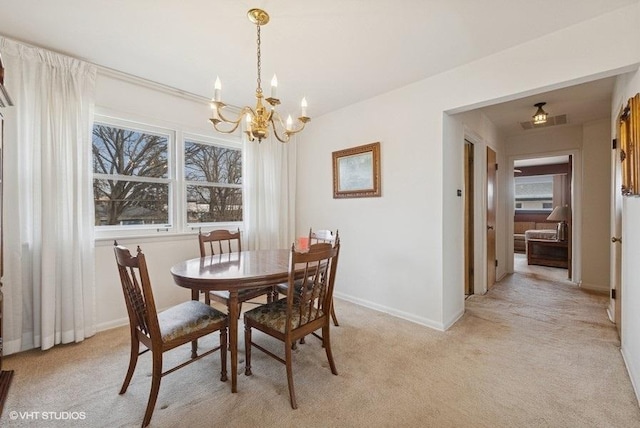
[(479, 209), (632, 376), (396, 313), (138, 81)]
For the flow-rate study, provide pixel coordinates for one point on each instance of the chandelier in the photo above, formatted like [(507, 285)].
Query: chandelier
[(258, 119)]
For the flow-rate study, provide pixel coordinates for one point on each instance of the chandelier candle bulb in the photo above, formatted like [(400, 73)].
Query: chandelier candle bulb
[(274, 86), (289, 123), (217, 87), (303, 107)]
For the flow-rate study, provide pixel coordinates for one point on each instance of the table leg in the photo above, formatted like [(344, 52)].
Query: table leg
[(195, 295), (233, 337)]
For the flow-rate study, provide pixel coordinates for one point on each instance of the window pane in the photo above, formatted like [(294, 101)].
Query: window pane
[(213, 204), (212, 164), (127, 152), (121, 202), (534, 192)]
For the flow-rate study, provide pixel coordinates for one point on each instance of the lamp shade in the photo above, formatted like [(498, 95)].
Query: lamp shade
[(560, 213)]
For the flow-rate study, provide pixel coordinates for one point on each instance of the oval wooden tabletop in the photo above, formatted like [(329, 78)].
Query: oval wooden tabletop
[(245, 269)]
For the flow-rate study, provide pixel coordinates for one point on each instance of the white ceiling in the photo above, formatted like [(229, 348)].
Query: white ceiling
[(581, 103), (334, 52)]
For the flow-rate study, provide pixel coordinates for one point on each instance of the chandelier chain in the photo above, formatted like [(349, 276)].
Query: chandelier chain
[(259, 62)]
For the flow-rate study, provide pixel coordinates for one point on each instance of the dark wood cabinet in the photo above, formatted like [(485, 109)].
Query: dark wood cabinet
[(545, 252)]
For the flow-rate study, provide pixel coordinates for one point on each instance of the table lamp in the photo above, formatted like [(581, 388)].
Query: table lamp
[(561, 214)]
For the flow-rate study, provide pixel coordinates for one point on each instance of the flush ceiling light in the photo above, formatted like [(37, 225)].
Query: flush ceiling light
[(259, 119), (541, 116)]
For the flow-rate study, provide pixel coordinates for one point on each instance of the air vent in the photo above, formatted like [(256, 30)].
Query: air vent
[(551, 121)]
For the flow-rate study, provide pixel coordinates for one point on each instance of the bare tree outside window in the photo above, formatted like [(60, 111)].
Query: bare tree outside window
[(214, 183), (131, 185)]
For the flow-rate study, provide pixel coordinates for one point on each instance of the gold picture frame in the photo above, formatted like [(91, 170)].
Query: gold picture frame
[(356, 172), (629, 135)]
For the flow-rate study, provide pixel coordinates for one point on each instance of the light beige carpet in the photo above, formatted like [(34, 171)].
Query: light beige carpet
[(530, 353)]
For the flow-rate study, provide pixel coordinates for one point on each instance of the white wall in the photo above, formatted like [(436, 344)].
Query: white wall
[(401, 252), (626, 87), (631, 289), (596, 199), (479, 130)]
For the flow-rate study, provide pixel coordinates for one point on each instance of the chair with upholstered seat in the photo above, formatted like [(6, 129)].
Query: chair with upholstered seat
[(314, 238), (161, 332), (304, 310), (220, 242)]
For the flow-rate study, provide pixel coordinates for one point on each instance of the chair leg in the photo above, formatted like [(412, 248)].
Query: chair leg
[(133, 359), (207, 298), (239, 309), (223, 354), (288, 363), (156, 376), (194, 348), (326, 342), (247, 348), (333, 314)]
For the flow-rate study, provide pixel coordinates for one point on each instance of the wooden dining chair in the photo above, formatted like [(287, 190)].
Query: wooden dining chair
[(314, 238), (220, 242), (161, 332), (303, 311)]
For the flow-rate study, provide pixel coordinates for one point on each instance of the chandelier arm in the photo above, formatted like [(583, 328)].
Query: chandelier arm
[(225, 120), (275, 132), (223, 131), (236, 123), (299, 125)]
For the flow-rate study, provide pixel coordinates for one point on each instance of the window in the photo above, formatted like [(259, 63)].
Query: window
[(213, 178), (149, 179), (131, 183), (534, 193)]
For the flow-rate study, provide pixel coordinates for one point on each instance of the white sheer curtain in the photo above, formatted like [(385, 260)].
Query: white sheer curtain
[(48, 280), (270, 189)]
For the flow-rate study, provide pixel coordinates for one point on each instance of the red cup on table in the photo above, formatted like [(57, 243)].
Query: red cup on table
[(303, 243)]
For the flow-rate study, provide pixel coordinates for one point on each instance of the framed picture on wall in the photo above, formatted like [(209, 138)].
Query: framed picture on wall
[(356, 172)]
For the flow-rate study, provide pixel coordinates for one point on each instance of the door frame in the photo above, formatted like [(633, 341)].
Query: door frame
[(615, 271), (480, 207), (576, 204), (469, 192), (491, 232)]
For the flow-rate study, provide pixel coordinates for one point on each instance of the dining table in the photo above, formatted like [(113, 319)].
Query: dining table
[(233, 272)]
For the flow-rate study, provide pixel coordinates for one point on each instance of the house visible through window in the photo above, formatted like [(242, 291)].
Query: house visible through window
[(534, 193)]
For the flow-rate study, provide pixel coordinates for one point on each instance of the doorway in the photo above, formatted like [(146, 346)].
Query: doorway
[(492, 261), (541, 219), (468, 219)]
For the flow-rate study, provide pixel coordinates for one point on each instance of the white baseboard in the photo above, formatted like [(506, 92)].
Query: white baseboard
[(635, 377), (112, 324), (604, 289), (394, 312)]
